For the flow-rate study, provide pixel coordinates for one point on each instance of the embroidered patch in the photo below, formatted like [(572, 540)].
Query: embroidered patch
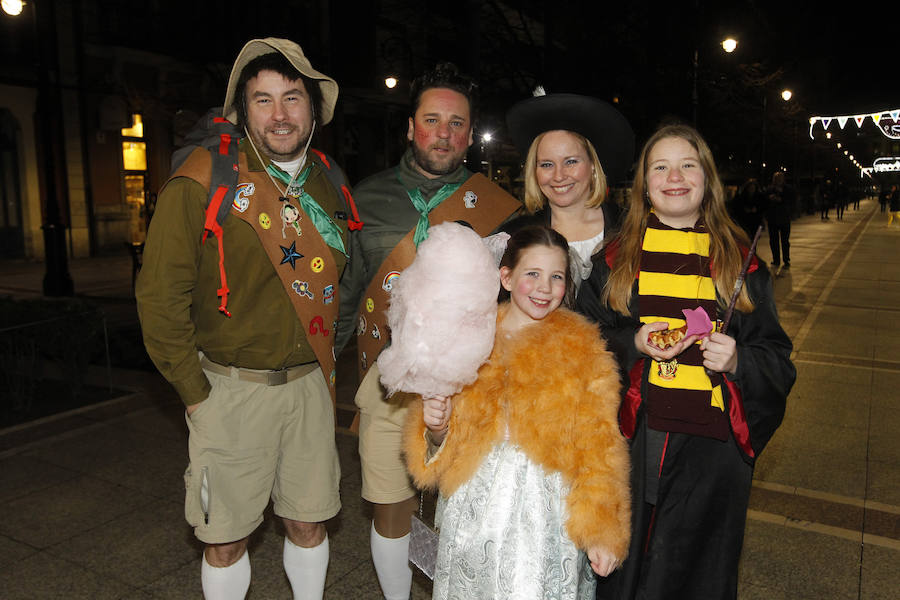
[(317, 264), (389, 280), (364, 362), (667, 369), (290, 255), (470, 199), (242, 194), (375, 332), (302, 289), (328, 294), (370, 305), (361, 327), (265, 221), (317, 325)]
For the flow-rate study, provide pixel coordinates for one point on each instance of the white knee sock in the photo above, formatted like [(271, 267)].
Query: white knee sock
[(391, 558), (226, 583), (306, 568)]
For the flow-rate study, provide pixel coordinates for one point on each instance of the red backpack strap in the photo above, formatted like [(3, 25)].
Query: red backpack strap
[(222, 187)]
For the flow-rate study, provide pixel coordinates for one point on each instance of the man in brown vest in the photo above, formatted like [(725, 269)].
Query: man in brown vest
[(251, 355), (396, 207)]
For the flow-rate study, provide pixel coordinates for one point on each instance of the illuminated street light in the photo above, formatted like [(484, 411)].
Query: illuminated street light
[(786, 95), (729, 45), (487, 137), (390, 82), (12, 7)]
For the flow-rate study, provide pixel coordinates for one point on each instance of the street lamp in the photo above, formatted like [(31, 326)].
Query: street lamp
[(12, 7), (729, 45), (390, 82), (50, 146)]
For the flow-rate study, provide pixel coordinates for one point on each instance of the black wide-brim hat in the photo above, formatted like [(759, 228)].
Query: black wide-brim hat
[(604, 126)]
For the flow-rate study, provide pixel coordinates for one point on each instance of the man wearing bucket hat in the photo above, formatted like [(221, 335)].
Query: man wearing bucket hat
[(252, 355), (429, 186), (575, 147)]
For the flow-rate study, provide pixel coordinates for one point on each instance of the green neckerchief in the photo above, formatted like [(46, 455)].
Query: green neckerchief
[(426, 206), (327, 228)]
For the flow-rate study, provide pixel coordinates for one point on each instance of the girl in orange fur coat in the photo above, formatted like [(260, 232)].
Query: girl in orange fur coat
[(531, 467)]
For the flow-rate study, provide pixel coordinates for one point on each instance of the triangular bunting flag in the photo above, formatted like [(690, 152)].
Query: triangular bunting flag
[(859, 120), (876, 118), (842, 121), (826, 123)]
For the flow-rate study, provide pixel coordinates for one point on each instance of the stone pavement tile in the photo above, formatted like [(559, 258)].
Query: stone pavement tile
[(844, 404), (46, 576), (880, 573), (883, 483), (752, 591), (828, 458), (137, 548), (182, 583), (60, 512), (799, 564), (817, 367), (21, 475), (166, 421), (12, 552), (151, 464)]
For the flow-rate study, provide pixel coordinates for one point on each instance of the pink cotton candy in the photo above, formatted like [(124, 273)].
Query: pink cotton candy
[(698, 322), (442, 314)]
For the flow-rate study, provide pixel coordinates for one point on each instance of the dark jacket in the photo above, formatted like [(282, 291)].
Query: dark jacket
[(693, 548)]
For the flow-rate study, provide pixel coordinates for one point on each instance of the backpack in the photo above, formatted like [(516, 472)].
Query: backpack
[(222, 137)]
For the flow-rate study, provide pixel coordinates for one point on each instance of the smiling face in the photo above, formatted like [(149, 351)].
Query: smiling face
[(536, 285), (563, 169), (676, 183), (279, 115), (440, 132)]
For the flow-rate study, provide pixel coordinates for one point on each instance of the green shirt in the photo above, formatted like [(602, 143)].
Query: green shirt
[(177, 289)]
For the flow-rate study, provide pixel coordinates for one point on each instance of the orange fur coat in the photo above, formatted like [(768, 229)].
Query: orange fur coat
[(560, 386)]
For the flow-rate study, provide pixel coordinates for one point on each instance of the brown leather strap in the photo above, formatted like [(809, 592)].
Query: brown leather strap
[(303, 262)]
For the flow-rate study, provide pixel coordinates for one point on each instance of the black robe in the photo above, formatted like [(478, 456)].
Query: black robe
[(686, 541)]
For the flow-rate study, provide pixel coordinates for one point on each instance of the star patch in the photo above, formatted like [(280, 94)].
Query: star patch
[(290, 255)]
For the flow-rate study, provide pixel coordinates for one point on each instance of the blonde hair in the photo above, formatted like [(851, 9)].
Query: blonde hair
[(535, 199), (726, 237)]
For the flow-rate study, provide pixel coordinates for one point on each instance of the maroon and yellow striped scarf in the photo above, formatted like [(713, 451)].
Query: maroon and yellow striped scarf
[(675, 275)]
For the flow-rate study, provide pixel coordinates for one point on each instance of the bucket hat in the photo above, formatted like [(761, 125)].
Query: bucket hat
[(598, 121), (294, 53)]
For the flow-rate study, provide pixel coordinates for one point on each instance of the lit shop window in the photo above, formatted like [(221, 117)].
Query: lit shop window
[(134, 165)]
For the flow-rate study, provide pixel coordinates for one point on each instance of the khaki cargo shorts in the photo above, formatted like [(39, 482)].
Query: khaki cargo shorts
[(384, 476), (250, 442)]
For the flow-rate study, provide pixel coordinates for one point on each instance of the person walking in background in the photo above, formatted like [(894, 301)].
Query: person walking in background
[(701, 404), (826, 197), (884, 195), (841, 196), (893, 205), (779, 205), (749, 204), (247, 363)]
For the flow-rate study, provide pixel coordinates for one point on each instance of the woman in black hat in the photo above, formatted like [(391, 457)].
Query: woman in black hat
[(575, 146)]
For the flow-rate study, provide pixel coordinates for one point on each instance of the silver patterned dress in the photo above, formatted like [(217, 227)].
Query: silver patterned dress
[(502, 535)]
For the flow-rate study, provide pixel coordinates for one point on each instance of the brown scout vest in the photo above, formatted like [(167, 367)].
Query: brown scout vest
[(478, 202), (303, 263)]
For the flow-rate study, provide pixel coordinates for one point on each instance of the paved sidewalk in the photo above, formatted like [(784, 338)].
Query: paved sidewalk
[(91, 502)]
